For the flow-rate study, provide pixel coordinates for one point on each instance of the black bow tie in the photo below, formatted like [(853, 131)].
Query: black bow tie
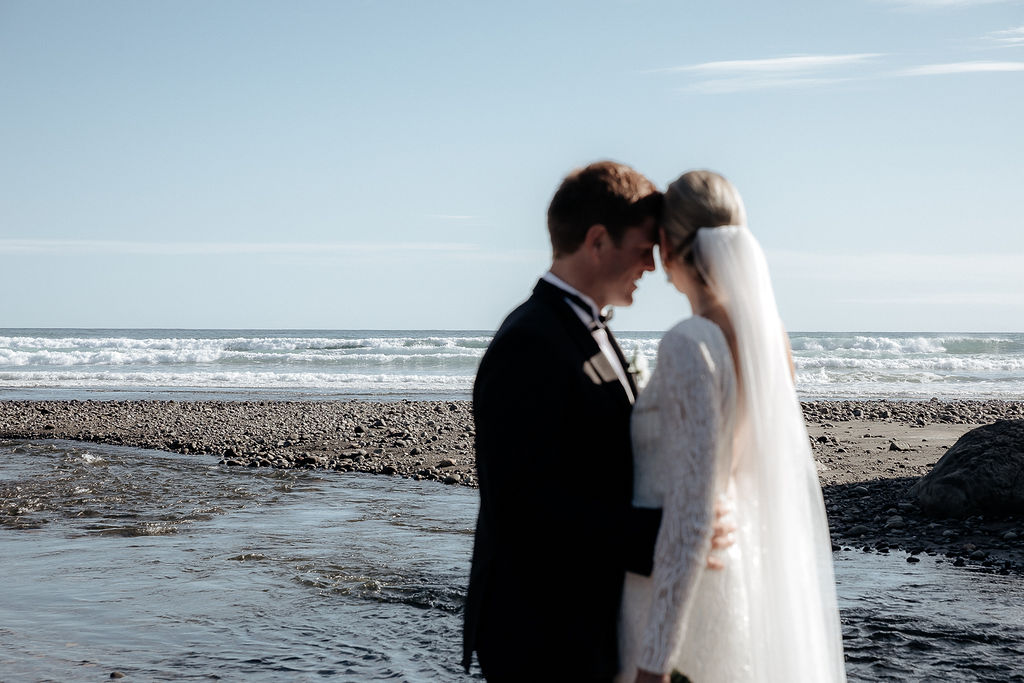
[(602, 318)]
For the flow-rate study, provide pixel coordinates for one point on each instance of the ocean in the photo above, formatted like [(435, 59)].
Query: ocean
[(388, 365)]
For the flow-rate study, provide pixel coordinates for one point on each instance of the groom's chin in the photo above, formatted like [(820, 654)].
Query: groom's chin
[(625, 300)]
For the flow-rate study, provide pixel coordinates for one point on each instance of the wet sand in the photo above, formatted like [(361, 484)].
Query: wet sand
[(868, 453)]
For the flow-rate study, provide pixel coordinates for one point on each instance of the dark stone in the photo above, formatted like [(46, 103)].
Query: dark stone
[(983, 472), (897, 445), (913, 560)]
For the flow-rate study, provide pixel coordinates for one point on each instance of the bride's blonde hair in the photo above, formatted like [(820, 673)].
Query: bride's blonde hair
[(698, 199)]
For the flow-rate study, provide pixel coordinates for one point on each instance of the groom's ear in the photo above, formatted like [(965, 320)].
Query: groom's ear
[(596, 238)]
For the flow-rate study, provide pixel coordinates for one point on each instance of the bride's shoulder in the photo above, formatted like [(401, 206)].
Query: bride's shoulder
[(693, 330), (692, 344)]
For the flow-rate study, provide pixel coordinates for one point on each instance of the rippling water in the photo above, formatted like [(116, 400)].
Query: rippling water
[(168, 567)]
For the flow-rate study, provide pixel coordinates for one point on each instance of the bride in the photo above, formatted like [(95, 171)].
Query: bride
[(720, 421)]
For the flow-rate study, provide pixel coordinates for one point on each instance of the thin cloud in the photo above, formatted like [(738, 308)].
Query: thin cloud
[(775, 65), (1011, 37), (745, 75), (794, 71), (962, 68), (298, 252), (719, 86), (940, 4), (62, 246)]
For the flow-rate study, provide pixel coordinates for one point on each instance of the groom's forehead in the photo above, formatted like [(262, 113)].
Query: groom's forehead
[(646, 231)]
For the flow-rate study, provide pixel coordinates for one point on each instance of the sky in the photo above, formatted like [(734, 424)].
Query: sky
[(385, 164)]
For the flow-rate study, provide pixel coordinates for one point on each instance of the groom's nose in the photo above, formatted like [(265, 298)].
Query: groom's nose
[(649, 260)]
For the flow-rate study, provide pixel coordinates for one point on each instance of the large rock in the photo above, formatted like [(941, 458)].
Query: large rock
[(983, 472)]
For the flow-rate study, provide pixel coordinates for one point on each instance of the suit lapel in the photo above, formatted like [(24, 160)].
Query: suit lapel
[(622, 359), (586, 344)]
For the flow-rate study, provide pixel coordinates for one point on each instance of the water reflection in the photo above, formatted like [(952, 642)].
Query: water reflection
[(169, 567)]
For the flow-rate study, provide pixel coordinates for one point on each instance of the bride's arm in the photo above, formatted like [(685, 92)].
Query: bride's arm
[(689, 436)]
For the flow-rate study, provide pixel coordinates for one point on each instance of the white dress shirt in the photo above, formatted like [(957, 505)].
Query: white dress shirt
[(598, 332)]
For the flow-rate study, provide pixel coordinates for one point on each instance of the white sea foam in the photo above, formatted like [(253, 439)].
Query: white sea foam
[(938, 363), (210, 356), (77, 351), (899, 344), (420, 363), (355, 383)]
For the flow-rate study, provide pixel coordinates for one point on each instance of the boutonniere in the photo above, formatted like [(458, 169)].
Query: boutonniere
[(639, 369)]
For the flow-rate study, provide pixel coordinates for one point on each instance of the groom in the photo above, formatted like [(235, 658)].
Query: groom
[(552, 399)]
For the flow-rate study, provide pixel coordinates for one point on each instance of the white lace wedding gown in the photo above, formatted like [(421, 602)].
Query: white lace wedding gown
[(682, 448), (706, 426)]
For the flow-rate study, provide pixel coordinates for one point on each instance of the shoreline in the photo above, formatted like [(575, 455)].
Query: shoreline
[(868, 453)]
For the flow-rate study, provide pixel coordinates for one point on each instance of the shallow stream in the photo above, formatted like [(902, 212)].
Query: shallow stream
[(170, 567)]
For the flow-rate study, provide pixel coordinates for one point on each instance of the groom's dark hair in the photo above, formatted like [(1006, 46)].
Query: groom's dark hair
[(605, 192)]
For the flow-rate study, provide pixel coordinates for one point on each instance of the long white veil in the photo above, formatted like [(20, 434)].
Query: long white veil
[(794, 620)]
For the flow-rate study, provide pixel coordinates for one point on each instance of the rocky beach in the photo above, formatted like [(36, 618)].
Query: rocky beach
[(868, 453)]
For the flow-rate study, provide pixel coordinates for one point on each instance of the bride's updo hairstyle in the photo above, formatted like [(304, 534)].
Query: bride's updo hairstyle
[(698, 199)]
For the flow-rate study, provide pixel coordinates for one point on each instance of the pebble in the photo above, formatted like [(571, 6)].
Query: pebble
[(895, 522)]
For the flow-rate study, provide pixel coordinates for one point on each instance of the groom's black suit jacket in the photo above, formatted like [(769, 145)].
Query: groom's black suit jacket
[(556, 530)]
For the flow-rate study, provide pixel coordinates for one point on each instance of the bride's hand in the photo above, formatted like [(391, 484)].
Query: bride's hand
[(722, 531)]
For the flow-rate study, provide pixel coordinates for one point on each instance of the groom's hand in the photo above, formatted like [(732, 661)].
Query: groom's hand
[(648, 677)]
